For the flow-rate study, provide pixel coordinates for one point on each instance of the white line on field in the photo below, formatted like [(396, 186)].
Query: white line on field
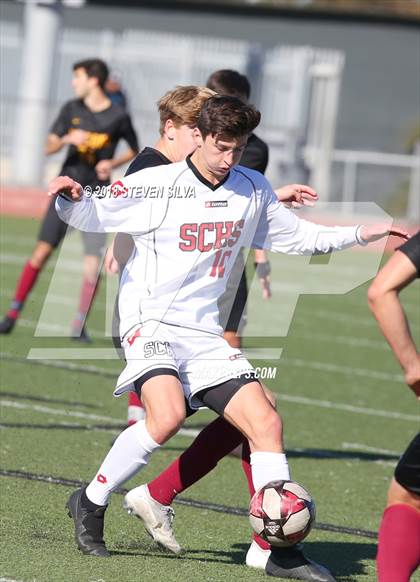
[(368, 449), (355, 342), (329, 315), (350, 371), (286, 397), (77, 414), (348, 407), (14, 259), (59, 299)]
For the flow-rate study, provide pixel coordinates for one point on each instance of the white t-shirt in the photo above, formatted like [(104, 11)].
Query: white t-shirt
[(187, 235)]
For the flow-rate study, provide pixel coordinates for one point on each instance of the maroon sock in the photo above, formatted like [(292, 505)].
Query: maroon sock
[(26, 281), (246, 466), (87, 294), (212, 444), (398, 543)]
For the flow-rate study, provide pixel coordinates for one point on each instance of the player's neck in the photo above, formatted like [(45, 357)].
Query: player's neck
[(200, 164), (97, 100), (164, 148)]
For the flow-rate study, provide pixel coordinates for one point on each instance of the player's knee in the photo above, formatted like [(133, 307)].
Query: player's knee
[(271, 397), (399, 492), (165, 425), (40, 254), (267, 432)]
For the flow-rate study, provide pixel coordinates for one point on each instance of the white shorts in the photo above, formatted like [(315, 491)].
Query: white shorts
[(200, 359)]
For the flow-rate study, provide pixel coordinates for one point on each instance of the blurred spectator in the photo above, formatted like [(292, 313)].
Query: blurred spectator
[(113, 88)]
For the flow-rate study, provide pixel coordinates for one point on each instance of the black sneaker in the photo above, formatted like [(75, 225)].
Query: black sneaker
[(88, 526), (292, 563), (80, 335), (7, 325)]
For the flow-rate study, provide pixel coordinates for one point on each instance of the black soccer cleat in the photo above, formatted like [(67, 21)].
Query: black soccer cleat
[(80, 335), (88, 526), (7, 324), (292, 563)]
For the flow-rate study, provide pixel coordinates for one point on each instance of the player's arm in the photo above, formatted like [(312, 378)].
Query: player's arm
[(263, 270), (128, 134), (62, 134), (119, 208), (118, 253), (383, 299), (55, 142), (104, 167), (280, 230)]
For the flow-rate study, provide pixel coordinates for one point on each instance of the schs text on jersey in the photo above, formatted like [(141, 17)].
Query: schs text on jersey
[(208, 236)]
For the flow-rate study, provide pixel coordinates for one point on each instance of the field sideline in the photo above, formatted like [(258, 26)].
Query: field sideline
[(346, 410)]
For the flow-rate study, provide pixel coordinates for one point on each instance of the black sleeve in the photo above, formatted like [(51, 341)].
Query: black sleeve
[(141, 161), (255, 156), (128, 133), (411, 248), (61, 125)]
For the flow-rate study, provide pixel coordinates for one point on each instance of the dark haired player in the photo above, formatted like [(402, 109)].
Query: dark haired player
[(399, 532), (91, 126), (184, 251), (178, 112)]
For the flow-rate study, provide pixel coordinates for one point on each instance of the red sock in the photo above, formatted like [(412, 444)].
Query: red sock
[(26, 281), (212, 444), (135, 409), (87, 294), (134, 400), (246, 466), (399, 543)]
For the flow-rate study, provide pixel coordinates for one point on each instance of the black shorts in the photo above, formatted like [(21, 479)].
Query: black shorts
[(407, 472), (160, 372), (232, 304), (53, 230), (218, 397)]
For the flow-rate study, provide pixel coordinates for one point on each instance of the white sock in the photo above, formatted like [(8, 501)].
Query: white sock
[(129, 453), (266, 467)]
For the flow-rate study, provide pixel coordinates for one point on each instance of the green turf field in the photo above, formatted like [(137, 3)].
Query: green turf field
[(346, 410)]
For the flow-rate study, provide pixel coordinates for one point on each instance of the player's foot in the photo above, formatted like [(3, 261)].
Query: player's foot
[(7, 324), (88, 526), (80, 335), (157, 518), (292, 563), (256, 557)]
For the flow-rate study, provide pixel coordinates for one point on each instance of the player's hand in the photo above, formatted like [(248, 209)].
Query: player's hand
[(377, 231), (110, 263), (412, 377), (263, 273), (103, 169), (296, 195), (76, 137), (266, 289), (67, 186)]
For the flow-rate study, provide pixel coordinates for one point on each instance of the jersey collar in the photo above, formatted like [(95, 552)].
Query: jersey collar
[(202, 179)]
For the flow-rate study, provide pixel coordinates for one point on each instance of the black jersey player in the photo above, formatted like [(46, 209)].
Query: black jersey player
[(91, 127)]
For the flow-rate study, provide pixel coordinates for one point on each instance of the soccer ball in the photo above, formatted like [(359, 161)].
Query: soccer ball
[(282, 513)]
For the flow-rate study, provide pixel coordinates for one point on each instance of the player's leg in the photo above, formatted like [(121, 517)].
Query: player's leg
[(399, 532), (94, 247), (247, 407), (51, 233), (214, 442), (164, 401)]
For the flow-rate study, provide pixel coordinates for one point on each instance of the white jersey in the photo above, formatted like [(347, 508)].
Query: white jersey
[(188, 233)]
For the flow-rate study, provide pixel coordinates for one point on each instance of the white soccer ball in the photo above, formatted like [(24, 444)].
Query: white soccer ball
[(282, 513)]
